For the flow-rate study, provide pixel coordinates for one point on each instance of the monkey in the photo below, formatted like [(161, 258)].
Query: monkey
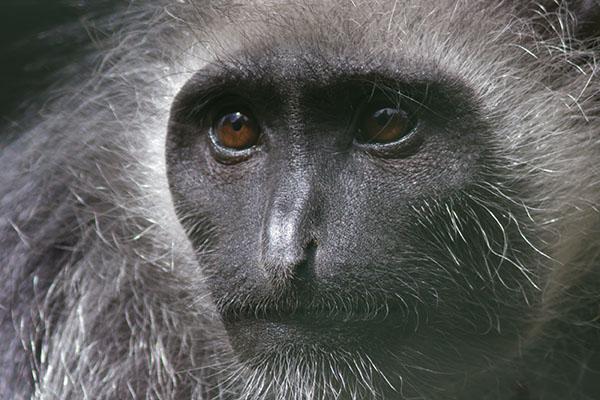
[(310, 200)]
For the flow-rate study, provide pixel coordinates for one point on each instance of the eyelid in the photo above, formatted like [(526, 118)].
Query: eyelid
[(225, 155), (404, 147)]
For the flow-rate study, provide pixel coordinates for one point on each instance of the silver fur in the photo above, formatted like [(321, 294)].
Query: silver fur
[(98, 283)]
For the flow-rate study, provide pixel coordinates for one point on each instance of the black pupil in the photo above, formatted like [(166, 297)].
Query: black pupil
[(236, 120), (384, 115)]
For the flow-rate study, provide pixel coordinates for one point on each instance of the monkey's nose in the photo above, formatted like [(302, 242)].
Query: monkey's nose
[(288, 247)]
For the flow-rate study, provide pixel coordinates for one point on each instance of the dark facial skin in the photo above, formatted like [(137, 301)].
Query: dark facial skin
[(322, 241)]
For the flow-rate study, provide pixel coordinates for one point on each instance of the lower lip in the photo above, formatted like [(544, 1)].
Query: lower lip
[(264, 336)]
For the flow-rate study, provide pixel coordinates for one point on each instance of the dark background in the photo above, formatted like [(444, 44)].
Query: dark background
[(37, 39)]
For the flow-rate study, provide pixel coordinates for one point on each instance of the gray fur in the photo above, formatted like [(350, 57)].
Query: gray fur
[(98, 282)]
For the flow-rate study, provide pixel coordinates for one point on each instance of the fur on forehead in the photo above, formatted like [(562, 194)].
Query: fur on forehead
[(375, 29), (472, 41)]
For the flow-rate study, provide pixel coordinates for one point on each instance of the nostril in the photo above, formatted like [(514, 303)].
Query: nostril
[(310, 249), (305, 270), (284, 266)]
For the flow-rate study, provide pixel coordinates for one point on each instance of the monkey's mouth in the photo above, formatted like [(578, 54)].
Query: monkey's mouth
[(317, 320), (255, 332), (317, 316), (309, 335)]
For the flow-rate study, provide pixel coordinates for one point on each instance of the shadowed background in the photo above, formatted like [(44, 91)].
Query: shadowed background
[(37, 39)]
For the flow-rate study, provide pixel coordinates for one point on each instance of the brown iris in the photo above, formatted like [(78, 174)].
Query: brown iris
[(385, 125), (236, 131)]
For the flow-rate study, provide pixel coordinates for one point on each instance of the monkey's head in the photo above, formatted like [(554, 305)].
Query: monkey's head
[(371, 210)]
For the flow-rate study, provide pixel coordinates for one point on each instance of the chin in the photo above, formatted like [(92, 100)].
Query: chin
[(325, 357)]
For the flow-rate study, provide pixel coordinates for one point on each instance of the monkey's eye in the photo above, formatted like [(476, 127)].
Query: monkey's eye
[(236, 131), (384, 125)]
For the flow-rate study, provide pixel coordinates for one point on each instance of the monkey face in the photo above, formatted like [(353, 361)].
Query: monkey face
[(368, 205), (347, 211), (385, 200)]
